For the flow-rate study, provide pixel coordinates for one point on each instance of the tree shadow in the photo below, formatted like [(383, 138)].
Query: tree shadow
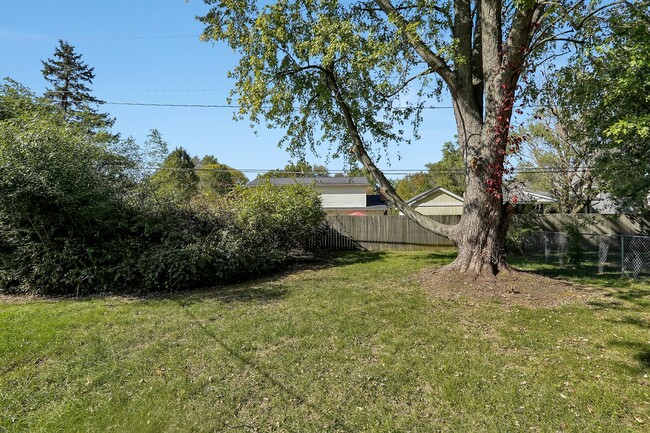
[(620, 298), (443, 256), (249, 362), (641, 353), (333, 259), (237, 293), (636, 321), (585, 274)]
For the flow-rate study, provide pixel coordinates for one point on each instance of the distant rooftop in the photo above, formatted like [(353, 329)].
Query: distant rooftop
[(334, 181), (432, 191)]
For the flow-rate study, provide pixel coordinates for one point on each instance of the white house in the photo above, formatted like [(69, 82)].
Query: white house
[(437, 201), (339, 195)]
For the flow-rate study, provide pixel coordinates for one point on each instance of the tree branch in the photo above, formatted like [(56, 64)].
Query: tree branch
[(359, 151), (462, 32), (300, 69), (575, 25), (405, 83), (435, 62), (408, 8)]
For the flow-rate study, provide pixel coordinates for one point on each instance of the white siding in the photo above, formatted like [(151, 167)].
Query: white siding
[(344, 196)]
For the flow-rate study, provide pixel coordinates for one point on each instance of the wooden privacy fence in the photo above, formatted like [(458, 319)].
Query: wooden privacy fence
[(380, 232)]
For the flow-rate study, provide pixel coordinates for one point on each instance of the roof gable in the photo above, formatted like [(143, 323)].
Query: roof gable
[(426, 195)]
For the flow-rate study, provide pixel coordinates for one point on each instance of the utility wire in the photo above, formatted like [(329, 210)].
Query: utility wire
[(534, 170)]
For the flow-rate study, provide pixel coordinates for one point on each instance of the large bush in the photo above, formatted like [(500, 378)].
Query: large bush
[(76, 218), (61, 196), (287, 216)]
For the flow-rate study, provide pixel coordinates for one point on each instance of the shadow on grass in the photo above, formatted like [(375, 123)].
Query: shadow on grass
[(641, 352), (442, 256), (636, 321), (619, 288), (246, 292), (249, 363), (328, 259), (585, 274)]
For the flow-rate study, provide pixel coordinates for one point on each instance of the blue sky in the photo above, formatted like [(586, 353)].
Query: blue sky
[(148, 51)]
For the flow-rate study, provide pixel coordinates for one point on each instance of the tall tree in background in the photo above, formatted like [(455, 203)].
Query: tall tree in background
[(593, 133), (300, 168), (69, 78), (176, 179), (448, 173), (559, 152), (613, 81), (342, 73), (215, 178), (413, 184)]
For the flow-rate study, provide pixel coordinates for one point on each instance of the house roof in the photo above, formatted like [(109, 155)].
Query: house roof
[(525, 195), (330, 181), (433, 191), (604, 204)]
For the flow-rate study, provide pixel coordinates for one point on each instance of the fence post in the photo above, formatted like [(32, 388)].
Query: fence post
[(622, 254), (603, 249), (545, 247)]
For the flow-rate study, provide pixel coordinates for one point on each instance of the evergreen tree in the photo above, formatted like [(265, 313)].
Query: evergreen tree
[(176, 179), (69, 77)]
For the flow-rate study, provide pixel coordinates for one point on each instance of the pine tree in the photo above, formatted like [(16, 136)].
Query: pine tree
[(69, 77)]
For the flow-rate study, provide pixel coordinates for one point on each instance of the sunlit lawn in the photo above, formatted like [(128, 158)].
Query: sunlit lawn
[(353, 345)]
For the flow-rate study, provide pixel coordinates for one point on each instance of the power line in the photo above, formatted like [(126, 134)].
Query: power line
[(153, 104), (533, 170)]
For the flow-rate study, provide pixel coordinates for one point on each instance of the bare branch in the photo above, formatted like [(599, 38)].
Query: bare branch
[(574, 25), (406, 83)]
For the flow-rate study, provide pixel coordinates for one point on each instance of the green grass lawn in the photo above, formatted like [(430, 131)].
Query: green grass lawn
[(354, 346)]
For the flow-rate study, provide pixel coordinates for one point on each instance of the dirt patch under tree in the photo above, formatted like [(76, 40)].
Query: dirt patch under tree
[(509, 288)]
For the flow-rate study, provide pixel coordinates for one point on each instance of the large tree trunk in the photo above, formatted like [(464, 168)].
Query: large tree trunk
[(481, 233)]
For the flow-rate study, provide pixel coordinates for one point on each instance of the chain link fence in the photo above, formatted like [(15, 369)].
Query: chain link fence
[(627, 254)]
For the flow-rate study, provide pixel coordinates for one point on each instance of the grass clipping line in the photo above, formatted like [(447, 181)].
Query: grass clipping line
[(516, 287)]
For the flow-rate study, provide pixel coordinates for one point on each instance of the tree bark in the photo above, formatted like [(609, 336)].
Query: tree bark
[(481, 233)]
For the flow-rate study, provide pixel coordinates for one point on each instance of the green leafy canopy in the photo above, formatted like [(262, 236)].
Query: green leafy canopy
[(289, 48)]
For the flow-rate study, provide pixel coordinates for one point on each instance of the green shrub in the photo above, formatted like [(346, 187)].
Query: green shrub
[(77, 218), (287, 216), (574, 250), (517, 239), (61, 197), (522, 229)]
